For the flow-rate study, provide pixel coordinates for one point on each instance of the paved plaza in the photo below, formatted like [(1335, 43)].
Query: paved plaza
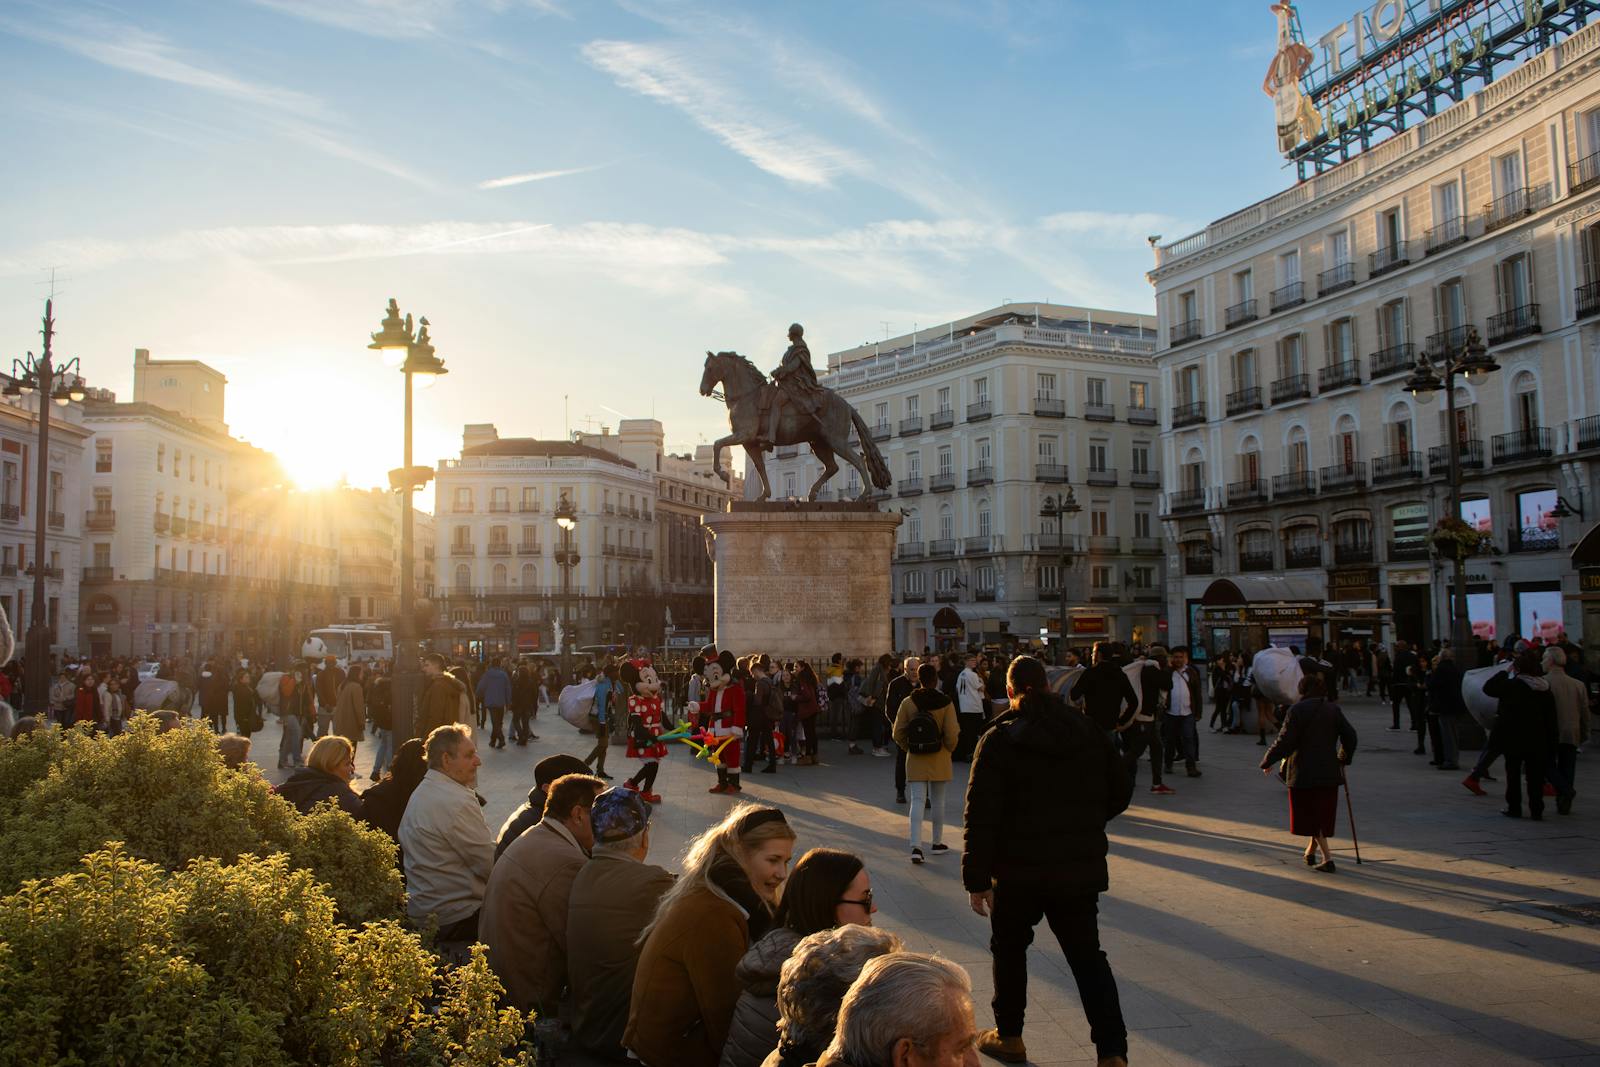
[(1448, 945)]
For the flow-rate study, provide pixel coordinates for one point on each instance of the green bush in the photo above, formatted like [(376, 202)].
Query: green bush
[(123, 963), (170, 800)]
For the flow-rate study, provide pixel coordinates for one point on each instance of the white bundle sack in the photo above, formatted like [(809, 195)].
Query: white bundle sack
[(153, 694), (267, 689), (1133, 671), (1483, 707), (1277, 674), (577, 703), (1061, 680)]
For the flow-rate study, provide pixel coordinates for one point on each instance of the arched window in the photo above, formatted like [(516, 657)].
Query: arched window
[(1401, 432), (947, 523), (1297, 452), (985, 519), (1352, 540), (530, 578), (498, 577), (1525, 401), (1250, 460), (914, 527), (1346, 443), (1194, 471), (463, 578)]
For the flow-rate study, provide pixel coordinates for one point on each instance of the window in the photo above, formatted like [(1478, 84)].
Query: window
[(463, 578), (980, 390), (985, 519), (1298, 457), (913, 406), (1190, 386), (500, 535), (1138, 395), (1047, 386), (1097, 457), (355, 606), (945, 579), (944, 398), (1141, 524), (177, 463), (1402, 438), (161, 458), (1096, 391), (1100, 577), (1049, 576), (946, 461), (1144, 578), (1291, 357), (1099, 522), (1589, 245), (191, 466), (1244, 370), (1508, 173), (1341, 341), (880, 412), (1346, 443), (1389, 232), (207, 473), (985, 452), (1188, 307), (1338, 248), (1250, 462), (983, 579), (1047, 451), (788, 484), (499, 499), (56, 489), (463, 499), (1243, 286), (1513, 282), (915, 584), (1525, 407), (461, 535), (914, 527), (1447, 221), (1194, 474), (1392, 324), (1289, 267), (1450, 305), (102, 456), (530, 578), (914, 466), (102, 554), (947, 525), (498, 578)]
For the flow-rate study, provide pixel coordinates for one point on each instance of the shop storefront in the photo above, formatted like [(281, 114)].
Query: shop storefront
[(1250, 613), (1586, 561), (1353, 613)]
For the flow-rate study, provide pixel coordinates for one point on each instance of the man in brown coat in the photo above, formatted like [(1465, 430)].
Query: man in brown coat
[(524, 917), (441, 697)]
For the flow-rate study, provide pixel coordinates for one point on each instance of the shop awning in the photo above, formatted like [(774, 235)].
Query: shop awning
[(947, 618), (1261, 589), (1586, 553)]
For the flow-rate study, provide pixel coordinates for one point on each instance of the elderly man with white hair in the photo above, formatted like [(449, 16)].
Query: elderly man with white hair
[(812, 986), (906, 1010)]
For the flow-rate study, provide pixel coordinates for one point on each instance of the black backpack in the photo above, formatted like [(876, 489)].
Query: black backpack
[(923, 734)]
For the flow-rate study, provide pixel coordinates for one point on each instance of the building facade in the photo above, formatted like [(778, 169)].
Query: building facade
[(984, 420), (368, 525), (1301, 478)]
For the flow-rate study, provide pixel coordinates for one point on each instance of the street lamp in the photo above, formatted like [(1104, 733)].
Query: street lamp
[(1466, 360), (413, 356), (1059, 509), (567, 520), (63, 385)]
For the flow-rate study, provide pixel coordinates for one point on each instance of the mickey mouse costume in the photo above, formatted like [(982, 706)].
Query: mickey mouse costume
[(644, 727)]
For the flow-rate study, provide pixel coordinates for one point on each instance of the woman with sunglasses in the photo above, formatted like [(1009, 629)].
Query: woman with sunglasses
[(827, 888), (684, 989)]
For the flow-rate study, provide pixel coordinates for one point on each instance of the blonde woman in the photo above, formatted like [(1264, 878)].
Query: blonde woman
[(684, 989), (326, 775)]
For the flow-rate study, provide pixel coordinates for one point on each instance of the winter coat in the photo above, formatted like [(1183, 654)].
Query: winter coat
[(1572, 706), (448, 850), (308, 787), (970, 695), (1527, 716), (1044, 782), (214, 693), (524, 690), (1320, 740), (86, 705), (246, 708), (440, 704), (380, 704), (684, 990), (805, 700), (900, 688), (350, 713), (931, 766), (754, 1030), (329, 681), (1105, 692), (524, 917), (384, 805), (494, 688), (612, 899)]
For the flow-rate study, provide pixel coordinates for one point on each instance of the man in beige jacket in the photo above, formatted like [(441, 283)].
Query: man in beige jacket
[(1572, 725), (524, 920), (446, 844)]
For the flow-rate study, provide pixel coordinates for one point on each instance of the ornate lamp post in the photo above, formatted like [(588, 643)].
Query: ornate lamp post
[(63, 385), (413, 355), (1059, 509), (1466, 360), (567, 520)]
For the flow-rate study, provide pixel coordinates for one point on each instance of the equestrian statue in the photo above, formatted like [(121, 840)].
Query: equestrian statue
[(792, 409)]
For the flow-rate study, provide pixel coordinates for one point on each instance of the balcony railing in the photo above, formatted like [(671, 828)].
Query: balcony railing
[(1242, 400), (163, 523), (499, 505), (983, 595), (8, 570), (1199, 563), (1409, 549), (1339, 375), (56, 520), (1288, 296), (1049, 407), (942, 548), (1448, 343), (910, 487), (983, 545), (99, 574), (1249, 491), (1584, 173), (463, 550), (1294, 484), (942, 419), (1294, 387), (1239, 314), (1189, 414), (1396, 359), (1397, 467), (1352, 552), (910, 550), (1510, 325), (942, 483), (1104, 477), (1145, 546), (983, 409), (1517, 204), (1447, 234), (1439, 458), (1338, 476), (1589, 432), (1145, 479), (1587, 298), (1533, 539), (983, 475), (529, 507), (1337, 277), (1142, 416), (100, 520), (918, 597), (1257, 561), (911, 427), (1099, 412), (1538, 442), (1187, 500), (499, 548), (1302, 556), (1104, 544), (180, 527), (529, 548), (1184, 332), (1054, 473), (1388, 258), (881, 431), (946, 596)]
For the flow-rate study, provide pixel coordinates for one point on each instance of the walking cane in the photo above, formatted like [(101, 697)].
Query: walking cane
[(1350, 809)]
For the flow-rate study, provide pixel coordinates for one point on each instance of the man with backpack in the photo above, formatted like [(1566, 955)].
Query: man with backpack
[(926, 730)]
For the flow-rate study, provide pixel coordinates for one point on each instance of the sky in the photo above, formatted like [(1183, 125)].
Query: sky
[(583, 196)]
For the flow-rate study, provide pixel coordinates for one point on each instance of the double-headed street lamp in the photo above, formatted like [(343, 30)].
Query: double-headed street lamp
[(567, 520), (40, 374), (1465, 359), (1059, 508), (413, 355)]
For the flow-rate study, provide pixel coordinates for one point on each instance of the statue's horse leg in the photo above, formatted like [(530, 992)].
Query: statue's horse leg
[(835, 429), (760, 463), (829, 467)]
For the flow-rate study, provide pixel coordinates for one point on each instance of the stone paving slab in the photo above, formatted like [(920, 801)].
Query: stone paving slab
[(1228, 951)]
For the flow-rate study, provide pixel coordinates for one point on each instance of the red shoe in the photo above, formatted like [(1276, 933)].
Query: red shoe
[(719, 788), (650, 798), (1471, 782), (1163, 790), (630, 787)]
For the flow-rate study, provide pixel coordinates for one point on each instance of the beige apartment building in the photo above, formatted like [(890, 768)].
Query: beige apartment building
[(981, 421), (1301, 477)]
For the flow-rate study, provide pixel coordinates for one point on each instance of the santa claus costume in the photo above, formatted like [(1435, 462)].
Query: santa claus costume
[(722, 710), (644, 728)]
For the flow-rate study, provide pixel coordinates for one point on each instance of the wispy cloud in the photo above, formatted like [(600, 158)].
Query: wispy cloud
[(662, 73), (537, 176), (1119, 227), (397, 19)]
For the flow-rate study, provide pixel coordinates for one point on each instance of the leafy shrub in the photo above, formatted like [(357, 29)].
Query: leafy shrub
[(121, 962), (170, 800)]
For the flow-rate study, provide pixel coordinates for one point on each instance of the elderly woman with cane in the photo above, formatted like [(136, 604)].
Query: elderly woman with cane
[(1315, 743)]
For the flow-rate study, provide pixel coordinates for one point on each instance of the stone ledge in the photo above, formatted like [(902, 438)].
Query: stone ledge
[(804, 506)]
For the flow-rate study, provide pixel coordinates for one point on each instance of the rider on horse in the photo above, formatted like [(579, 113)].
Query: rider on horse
[(794, 383)]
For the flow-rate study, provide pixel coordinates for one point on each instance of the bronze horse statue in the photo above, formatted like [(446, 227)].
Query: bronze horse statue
[(827, 432)]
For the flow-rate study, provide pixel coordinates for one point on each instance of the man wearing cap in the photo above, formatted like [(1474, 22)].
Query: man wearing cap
[(527, 816), (524, 917), (612, 899)]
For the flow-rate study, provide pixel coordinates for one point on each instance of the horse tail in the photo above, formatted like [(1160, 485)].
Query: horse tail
[(881, 477)]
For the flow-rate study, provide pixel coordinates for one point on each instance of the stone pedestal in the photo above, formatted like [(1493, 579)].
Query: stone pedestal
[(802, 580)]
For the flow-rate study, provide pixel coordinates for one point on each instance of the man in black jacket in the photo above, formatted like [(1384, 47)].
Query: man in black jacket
[(1104, 691), (1044, 783), (900, 688)]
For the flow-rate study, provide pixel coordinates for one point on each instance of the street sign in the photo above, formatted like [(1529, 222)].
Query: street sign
[(1161, 624)]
